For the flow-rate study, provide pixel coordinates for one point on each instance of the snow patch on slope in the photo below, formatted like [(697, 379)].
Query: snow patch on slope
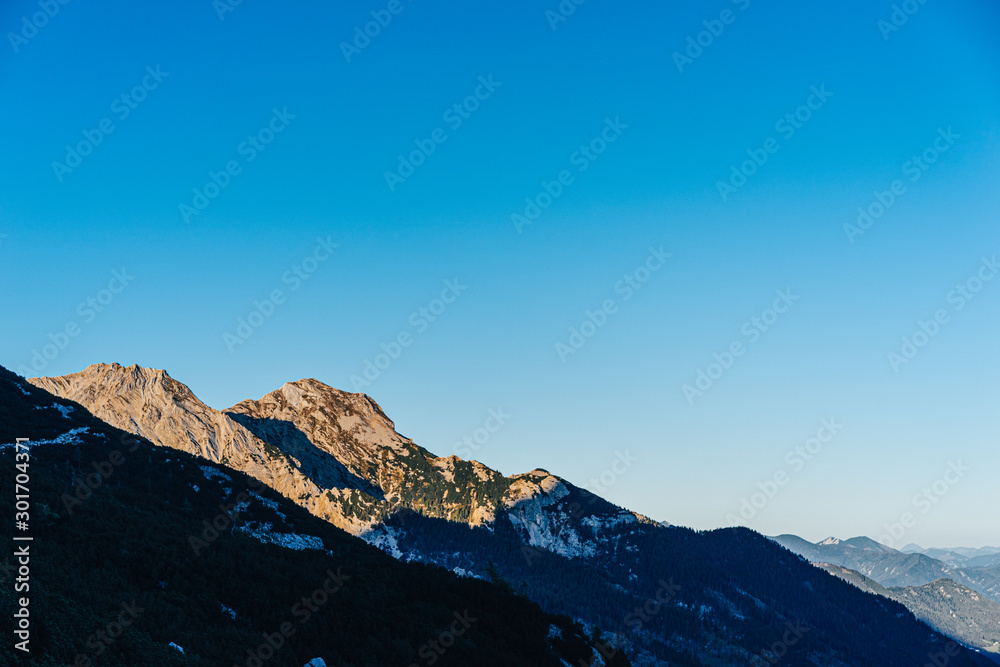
[(210, 473), (264, 533), (386, 539), (68, 438), (273, 504)]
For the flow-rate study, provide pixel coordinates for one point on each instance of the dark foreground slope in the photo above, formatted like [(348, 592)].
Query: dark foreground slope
[(125, 562), (723, 597)]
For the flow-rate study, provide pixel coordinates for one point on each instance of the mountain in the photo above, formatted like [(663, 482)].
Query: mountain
[(949, 557), (983, 561), (963, 556), (149, 403), (335, 453), (944, 605), (145, 555), (318, 424), (890, 567), (669, 595), (873, 559)]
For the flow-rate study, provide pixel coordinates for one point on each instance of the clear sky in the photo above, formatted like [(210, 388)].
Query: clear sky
[(622, 146)]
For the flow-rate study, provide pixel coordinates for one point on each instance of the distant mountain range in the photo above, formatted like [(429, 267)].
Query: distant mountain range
[(890, 567), (660, 595), (926, 586), (960, 556)]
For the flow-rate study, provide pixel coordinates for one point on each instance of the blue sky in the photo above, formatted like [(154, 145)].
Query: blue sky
[(642, 146)]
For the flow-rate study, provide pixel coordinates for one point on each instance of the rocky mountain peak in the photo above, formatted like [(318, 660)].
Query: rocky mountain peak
[(326, 416), (150, 403), (337, 454)]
